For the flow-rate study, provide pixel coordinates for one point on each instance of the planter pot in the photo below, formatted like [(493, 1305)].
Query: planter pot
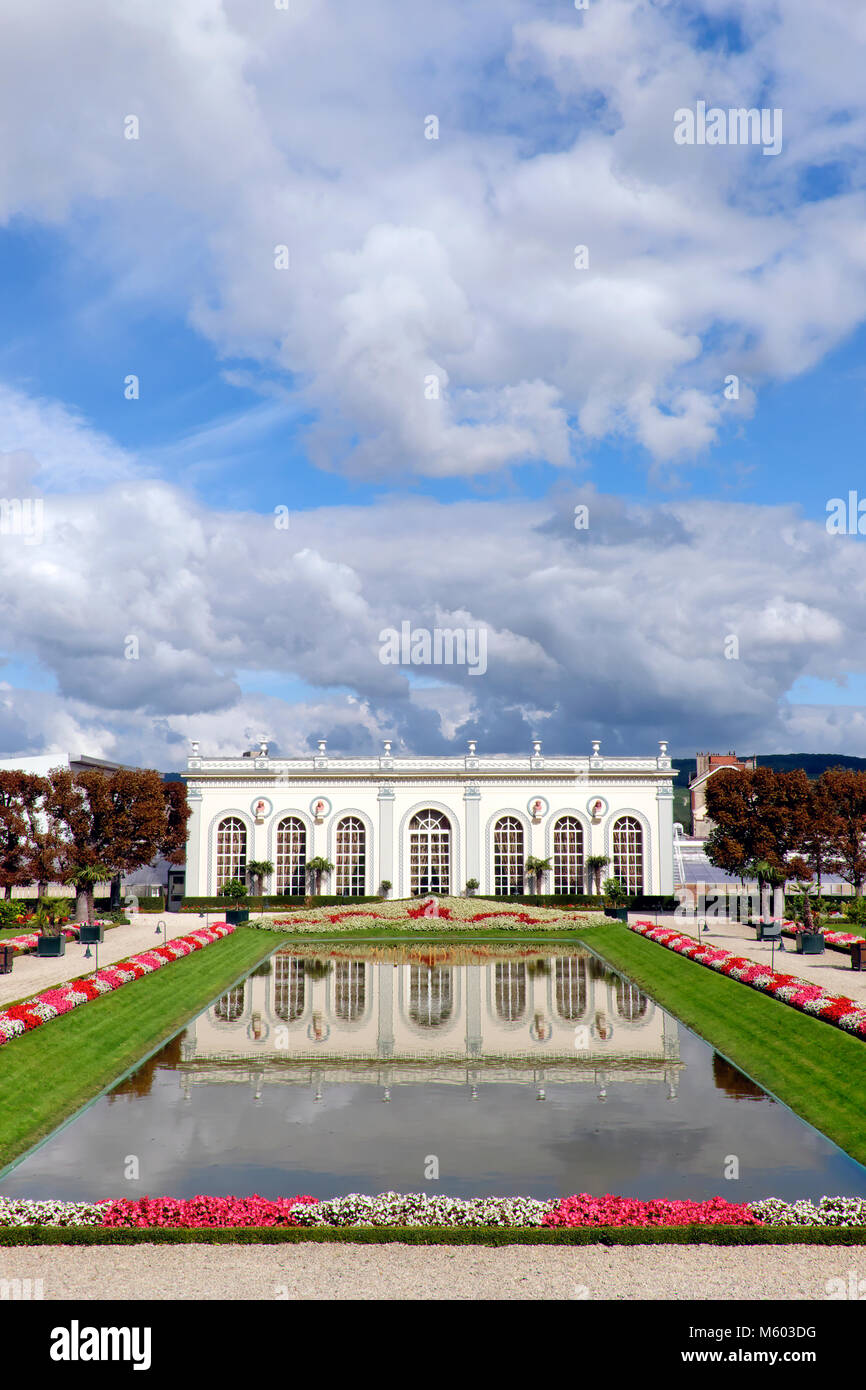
[(51, 946), (237, 916), (92, 934), (810, 943), (620, 913), (858, 955), (769, 931)]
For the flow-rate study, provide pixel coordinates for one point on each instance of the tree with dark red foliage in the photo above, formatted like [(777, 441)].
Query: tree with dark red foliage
[(846, 793), (20, 795), (758, 815)]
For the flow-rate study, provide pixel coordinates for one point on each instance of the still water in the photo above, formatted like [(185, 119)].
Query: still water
[(509, 1069)]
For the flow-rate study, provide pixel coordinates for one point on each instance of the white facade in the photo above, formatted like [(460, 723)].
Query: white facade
[(430, 824)]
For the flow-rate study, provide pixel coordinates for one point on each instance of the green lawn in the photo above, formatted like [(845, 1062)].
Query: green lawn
[(46, 1075), (816, 1069)]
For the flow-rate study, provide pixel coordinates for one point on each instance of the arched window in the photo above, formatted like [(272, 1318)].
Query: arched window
[(351, 859), (631, 1004), (230, 1006), (289, 987), (568, 855), (510, 992), (431, 995), (231, 856), (291, 857), (429, 853), (350, 990), (508, 872), (628, 854), (570, 987)]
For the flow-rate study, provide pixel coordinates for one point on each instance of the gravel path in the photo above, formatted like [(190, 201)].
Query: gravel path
[(384, 1272)]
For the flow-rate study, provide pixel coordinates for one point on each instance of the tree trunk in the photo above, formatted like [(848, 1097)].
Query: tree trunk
[(114, 899), (81, 905), (91, 910), (779, 903), (766, 900), (8, 893)]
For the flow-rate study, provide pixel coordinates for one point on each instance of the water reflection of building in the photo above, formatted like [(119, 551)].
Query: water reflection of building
[(558, 1019)]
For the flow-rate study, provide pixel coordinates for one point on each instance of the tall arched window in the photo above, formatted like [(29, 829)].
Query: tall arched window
[(231, 856), (429, 853), (431, 995), (628, 853), (568, 855), (510, 991), (350, 990), (351, 857), (508, 872), (571, 987), (289, 987), (230, 1006), (631, 1003), (291, 857)]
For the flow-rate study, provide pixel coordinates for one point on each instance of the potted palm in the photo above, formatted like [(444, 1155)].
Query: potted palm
[(317, 867), (614, 900), (257, 869), (472, 886), (52, 937), (768, 925), (809, 937), (536, 868), (235, 891), (595, 863), (385, 887)]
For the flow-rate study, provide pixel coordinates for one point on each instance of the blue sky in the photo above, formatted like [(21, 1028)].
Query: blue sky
[(412, 256)]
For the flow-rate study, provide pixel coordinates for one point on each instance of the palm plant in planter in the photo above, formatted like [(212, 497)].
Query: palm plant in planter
[(317, 867), (810, 938), (234, 891), (595, 863), (536, 868), (52, 937), (257, 870), (385, 887), (472, 886)]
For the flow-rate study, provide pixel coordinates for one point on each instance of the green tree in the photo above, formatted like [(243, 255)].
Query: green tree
[(595, 863), (257, 869)]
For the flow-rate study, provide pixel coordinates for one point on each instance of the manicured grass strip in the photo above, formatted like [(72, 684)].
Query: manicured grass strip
[(437, 1235), (816, 1069), (48, 1074)]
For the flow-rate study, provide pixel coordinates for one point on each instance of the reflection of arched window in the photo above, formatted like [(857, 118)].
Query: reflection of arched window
[(508, 857), (229, 1008), (568, 855), (510, 990), (429, 853), (628, 853), (570, 986), (431, 995), (288, 988), (231, 856), (291, 857), (351, 873), (350, 990), (631, 1004)]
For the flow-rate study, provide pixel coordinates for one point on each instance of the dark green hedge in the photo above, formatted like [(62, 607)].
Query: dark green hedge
[(437, 1235), (216, 904)]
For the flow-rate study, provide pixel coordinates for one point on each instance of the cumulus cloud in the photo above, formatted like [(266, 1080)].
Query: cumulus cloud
[(453, 257)]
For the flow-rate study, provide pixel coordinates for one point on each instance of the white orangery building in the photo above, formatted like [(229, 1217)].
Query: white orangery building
[(430, 824)]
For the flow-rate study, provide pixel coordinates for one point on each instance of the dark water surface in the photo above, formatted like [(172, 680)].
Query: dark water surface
[(515, 1069)]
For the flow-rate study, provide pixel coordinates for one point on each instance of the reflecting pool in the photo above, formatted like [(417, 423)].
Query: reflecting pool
[(505, 1069)]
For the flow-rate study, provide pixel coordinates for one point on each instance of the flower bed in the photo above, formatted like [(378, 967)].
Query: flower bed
[(839, 940), (409, 914), (789, 989), (53, 1003), (414, 1209), (28, 941)]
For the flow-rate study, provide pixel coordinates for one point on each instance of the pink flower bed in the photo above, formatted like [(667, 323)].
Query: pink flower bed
[(789, 989), (584, 1210), (53, 1003), (27, 942), (201, 1212)]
